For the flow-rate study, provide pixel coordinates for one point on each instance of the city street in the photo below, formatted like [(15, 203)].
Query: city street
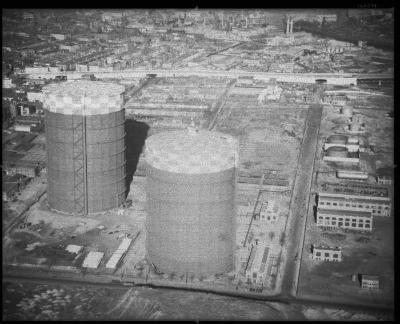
[(299, 203)]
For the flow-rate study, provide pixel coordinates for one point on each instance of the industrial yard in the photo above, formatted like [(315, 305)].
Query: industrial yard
[(363, 252), (256, 162)]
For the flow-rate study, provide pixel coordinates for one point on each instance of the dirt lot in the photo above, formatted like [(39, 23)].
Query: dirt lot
[(30, 301), (62, 302), (370, 253)]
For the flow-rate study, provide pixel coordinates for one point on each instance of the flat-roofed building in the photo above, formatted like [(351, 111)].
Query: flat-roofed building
[(377, 207), (25, 168), (384, 176), (384, 179), (92, 260), (355, 189), (268, 212), (370, 282), (327, 253), (346, 219)]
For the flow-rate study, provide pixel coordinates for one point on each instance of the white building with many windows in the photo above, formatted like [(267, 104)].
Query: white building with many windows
[(370, 282), (327, 253), (346, 219), (356, 197), (377, 206)]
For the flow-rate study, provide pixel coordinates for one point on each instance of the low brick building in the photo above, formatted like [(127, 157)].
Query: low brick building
[(327, 253), (370, 282)]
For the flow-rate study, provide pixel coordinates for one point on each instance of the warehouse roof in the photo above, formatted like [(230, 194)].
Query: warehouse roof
[(354, 189), (92, 260)]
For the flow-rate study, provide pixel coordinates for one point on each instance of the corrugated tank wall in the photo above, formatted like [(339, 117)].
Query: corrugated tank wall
[(191, 215), (105, 161), (86, 153)]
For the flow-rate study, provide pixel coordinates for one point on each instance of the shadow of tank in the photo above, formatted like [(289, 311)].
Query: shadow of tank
[(135, 137)]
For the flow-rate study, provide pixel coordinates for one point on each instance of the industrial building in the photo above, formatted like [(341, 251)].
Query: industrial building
[(86, 146), (377, 207), (25, 168), (384, 176), (384, 180), (191, 213), (256, 269), (369, 282), (92, 260), (356, 197), (12, 185), (327, 253), (346, 219), (119, 254)]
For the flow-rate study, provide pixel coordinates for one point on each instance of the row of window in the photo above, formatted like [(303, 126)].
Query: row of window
[(346, 224), (340, 219), (328, 203), (340, 224), (327, 255), (370, 285)]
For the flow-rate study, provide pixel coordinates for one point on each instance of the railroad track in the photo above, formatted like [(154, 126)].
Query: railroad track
[(367, 308)]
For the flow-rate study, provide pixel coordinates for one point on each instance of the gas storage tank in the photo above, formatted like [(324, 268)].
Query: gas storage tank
[(191, 213), (337, 139), (85, 139), (338, 151)]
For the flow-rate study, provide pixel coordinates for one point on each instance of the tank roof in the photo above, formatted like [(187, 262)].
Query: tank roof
[(337, 149), (192, 151), (337, 138), (83, 97)]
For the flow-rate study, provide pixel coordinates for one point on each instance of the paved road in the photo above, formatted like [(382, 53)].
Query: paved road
[(299, 202)]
